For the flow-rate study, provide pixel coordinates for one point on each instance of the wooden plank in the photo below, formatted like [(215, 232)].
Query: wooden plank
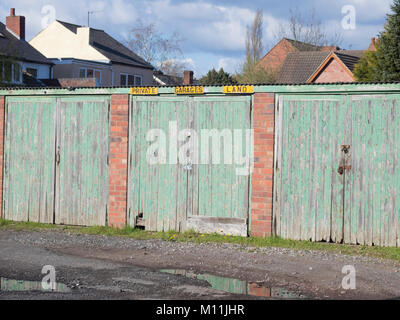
[(227, 226), (28, 193), (306, 181), (83, 145), (375, 170), (278, 166)]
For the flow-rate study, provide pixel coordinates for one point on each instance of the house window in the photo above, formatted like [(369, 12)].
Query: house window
[(10, 72), (17, 72), (131, 80), (7, 71), (82, 73), (90, 73), (124, 79), (33, 72), (138, 80)]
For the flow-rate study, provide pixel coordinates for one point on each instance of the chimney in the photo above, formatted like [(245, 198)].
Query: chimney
[(188, 77), (16, 24), (84, 35), (372, 46)]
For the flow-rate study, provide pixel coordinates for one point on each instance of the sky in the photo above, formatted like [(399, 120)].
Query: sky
[(213, 31)]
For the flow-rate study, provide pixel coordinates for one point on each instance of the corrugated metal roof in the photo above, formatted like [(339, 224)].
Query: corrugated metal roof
[(216, 85)]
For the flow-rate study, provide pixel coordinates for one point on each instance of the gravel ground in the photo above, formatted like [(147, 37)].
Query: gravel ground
[(98, 267)]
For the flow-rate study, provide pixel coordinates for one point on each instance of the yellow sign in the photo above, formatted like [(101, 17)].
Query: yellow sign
[(189, 90), (144, 91), (238, 89)]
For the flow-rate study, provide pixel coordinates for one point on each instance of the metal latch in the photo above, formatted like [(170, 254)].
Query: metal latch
[(345, 149), (342, 169)]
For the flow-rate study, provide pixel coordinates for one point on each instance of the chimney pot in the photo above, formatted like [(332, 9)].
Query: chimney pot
[(374, 43), (12, 12)]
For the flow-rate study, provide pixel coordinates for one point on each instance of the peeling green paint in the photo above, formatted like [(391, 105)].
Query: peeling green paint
[(313, 201), (168, 194)]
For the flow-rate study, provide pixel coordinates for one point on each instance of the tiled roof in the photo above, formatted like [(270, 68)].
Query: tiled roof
[(11, 46), (354, 53), (303, 46), (111, 48), (350, 60), (300, 66)]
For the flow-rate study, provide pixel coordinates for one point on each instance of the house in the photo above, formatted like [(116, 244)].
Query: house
[(85, 53), (273, 61), (161, 79), (21, 64), (295, 62), (319, 67)]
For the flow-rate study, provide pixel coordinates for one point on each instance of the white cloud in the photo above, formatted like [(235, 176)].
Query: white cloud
[(230, 65), (214, 31)]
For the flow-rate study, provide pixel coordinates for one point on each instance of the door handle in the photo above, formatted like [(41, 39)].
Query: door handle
[(342, 169)]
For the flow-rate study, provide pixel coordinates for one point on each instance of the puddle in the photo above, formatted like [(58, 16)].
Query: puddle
[(10, 285), (236, 286)]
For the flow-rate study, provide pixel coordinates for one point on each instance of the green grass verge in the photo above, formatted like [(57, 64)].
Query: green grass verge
[(375, 252)]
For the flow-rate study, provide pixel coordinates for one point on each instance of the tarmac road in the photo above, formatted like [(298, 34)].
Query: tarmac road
[(98, 267)]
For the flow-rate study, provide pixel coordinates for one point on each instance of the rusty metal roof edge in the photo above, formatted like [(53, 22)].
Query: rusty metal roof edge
[(214, 89)]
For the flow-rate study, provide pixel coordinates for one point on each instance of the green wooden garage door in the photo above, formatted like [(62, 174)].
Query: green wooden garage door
[(29, 159), (186, 194), (82, 161), (338, 173), (56, 160)]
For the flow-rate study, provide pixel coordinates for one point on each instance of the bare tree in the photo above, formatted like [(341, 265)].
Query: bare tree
[(307, 29), (254, 45), (250, 71), (162, 51)]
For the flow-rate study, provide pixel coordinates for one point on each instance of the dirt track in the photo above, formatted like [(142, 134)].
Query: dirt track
[(97, 267)]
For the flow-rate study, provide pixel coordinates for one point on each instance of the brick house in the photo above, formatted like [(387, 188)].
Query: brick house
[(273, 61), (87, 53), (319, 67), (298, 62)]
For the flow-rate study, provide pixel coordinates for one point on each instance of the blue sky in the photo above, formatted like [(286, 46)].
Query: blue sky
[(213, 31)]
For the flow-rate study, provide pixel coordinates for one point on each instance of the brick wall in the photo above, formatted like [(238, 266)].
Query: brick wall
[(274, 60), (334, 72), (2, 102), (77, 82), (118, 160), (263, 175), (16, 24)]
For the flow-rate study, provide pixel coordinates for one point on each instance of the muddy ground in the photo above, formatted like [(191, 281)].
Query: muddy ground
[(98, 267)]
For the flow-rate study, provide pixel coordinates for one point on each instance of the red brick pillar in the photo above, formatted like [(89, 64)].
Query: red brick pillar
[(2, 126), (263, 175), (118, 160)]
